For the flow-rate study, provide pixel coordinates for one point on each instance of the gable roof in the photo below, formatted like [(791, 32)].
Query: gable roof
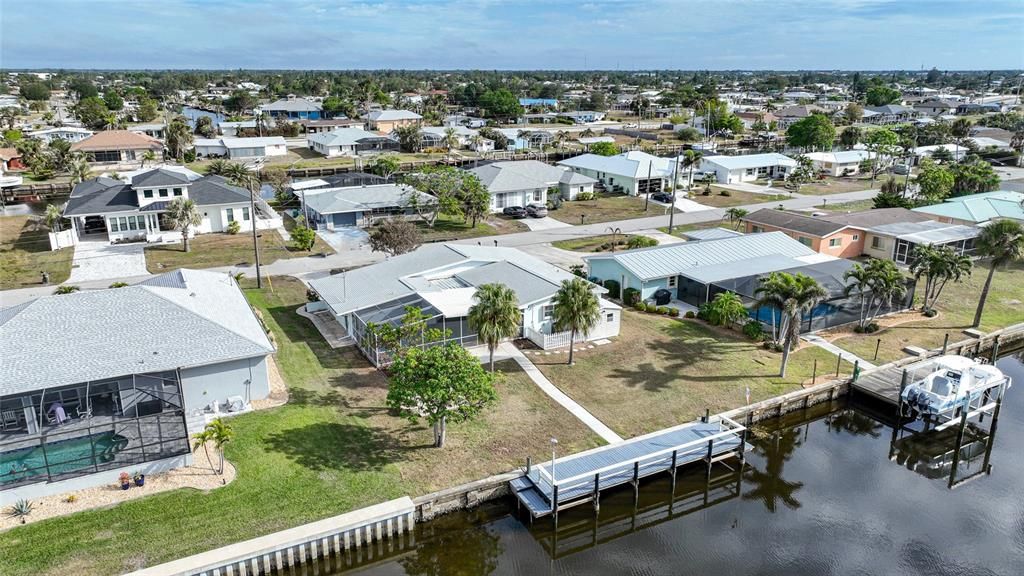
[(105, 195), (875, 217), (361, 198), (632, 164), (180, 319), (117, 140), (159, 177), (980, 208), (390, 115), (292, 105), (511, 176), (688, 257), (750, 161), (343, 137)]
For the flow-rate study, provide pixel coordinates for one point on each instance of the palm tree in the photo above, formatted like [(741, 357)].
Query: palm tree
[(179, 137), (80, 171), (239, 174), (794, 296), (495, 315), (588, 133), (691, 158), (938, 266), (451, 138), (148, 156), (54, 219), (183, 214), (1001, 242), (960, 130), (218, 167), (576, 309), (735, 215), (219, 433)]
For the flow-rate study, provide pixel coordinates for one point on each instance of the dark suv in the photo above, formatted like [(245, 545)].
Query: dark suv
[(514, 211)]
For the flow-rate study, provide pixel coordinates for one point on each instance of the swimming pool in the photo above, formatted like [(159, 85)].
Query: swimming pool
[(62, 457)]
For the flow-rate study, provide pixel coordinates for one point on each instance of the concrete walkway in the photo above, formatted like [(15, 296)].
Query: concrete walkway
[(508, 351), (101, 260), (545, 223), (836, 350)]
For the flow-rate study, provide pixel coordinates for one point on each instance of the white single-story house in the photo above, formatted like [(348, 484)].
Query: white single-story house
[(440, 280), (157, 130), (633, 173), (360, 205), (434, 136), (349, 142), (747, 168), (236, 148), (842, 163), (523, 182), (957, 153), (231, 129), (69, 133), (131, 209), (583, 116), (129, 375)]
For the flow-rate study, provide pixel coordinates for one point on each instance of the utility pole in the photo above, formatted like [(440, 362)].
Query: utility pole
[(647, 198), (672, 207), (252, 220)]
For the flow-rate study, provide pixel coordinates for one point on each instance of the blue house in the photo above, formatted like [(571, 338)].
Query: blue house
[(293, 109), (527, 102)]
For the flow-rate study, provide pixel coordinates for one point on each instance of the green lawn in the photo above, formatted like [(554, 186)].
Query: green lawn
[(735, 197), (661, 372), (854, 206), (212, 250), (605, 208), (333, 448), (447, 228), (1005, 306), (838, 185), (593, 243), (25, 254)]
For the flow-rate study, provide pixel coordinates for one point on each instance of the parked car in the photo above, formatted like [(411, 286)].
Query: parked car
[(665, 197), (662, 296), (537, 210), (514, 212), (900, 169)]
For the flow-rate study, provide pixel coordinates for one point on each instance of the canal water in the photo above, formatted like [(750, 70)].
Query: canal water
[(193, 114), (819, 495)]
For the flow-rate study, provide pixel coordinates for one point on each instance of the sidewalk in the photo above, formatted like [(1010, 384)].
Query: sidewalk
[(508, 351)]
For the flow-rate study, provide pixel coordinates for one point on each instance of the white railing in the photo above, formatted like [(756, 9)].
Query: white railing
[(548, 341)]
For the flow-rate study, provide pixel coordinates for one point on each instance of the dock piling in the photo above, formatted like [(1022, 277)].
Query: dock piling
[(878, 343), (839, 361), (945, 343)]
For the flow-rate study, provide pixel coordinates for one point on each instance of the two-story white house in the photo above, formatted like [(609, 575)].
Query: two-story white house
[(132, 208), (69, 133), (440, 280)]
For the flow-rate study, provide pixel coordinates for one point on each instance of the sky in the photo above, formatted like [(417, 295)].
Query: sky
[(517, 35)]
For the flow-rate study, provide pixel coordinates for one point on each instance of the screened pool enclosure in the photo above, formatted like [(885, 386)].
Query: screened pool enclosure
[(392, 313), (63, 432)]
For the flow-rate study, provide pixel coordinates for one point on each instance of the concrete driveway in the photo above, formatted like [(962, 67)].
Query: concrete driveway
[(346, 238), (684, 205), (100, 260), (545, 223)]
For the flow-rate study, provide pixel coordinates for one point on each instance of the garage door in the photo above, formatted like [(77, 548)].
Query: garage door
[(345, 219)]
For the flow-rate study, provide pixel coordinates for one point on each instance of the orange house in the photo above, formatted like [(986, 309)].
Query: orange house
[(832, 238)]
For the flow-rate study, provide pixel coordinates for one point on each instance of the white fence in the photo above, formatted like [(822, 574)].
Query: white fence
[(62, 239), (549, 341)]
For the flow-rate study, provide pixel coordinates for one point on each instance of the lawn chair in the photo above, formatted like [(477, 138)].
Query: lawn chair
[(9, 419), (83, 414)]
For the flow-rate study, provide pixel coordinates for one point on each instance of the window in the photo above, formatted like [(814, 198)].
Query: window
[(835, 242), (756, 229), (113, 225), (804, 240), (672, 281), (877, 243), (610, 317), (177, 191), (537, 195), (499, 201), (123, 223), (230, 213), (147, 193), (546, 312), (245, 213), (163, 192), (856, 237), (106, 156)]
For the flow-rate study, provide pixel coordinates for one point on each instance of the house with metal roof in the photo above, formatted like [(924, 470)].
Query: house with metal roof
[(350, 142), (897, 241), (360, 205), (748, 167), (632, 173), (241, 148), (978, 209), (440, 280), (523, 182), (840, 163), (131, 208), (128, 375), (293, 109)]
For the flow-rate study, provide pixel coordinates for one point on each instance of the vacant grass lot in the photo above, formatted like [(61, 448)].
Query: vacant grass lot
[(25, 254), (838, 185), (661, 372), (735, 197), (593, 243), (606, 208), (1005, 306), (854, 206), (212, 250), (448, 228), (333, 448)]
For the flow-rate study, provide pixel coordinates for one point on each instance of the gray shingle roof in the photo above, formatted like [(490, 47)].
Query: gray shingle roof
[(216, 190), (159, 177), (105, 195), (180, 319), (361, 198), (796, 222), (521, 175), (674, 259), (876, 217), (293, 105)]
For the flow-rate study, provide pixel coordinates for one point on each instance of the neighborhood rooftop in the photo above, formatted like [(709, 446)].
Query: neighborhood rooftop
[(751, 161), (512, 176), (178, 319), (360, 198)]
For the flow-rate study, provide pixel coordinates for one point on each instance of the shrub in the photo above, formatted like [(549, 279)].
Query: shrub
[(869, 329), (689, 314), (118, 285), (630, 296), (703, 311), (724, 192), (585, 196), (663, 310), (673, 312), (641, 242), (578, 270), (303, 237), (931, 312), (725, 310), (640, 306), (706, 192), (614, 290), (66, 289), (234, 227), (753, 330)]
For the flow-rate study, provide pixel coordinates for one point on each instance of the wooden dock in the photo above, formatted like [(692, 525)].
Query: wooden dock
[(884, 383), (580, 478)]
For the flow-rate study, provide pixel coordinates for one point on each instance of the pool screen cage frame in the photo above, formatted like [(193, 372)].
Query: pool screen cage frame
[(146, 422)]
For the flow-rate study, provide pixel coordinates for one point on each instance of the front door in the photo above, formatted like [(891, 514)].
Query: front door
[(902, 251)]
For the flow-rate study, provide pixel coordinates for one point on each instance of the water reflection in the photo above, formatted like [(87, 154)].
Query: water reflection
[(769, 486), (457, 552)]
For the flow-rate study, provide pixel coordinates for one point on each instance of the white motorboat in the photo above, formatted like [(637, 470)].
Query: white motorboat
[(954, 381)]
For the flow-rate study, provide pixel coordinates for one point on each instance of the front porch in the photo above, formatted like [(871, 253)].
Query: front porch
[(65, 432)]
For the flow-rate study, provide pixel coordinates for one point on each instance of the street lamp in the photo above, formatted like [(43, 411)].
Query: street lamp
[(554, 443)]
